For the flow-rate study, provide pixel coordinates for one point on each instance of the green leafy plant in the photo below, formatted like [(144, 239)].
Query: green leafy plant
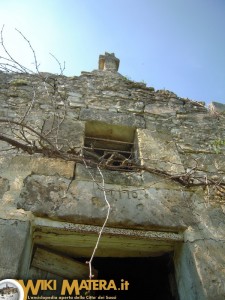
[(218, 145)]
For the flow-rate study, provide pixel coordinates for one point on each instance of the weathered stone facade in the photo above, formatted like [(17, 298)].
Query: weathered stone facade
[(43, 197)]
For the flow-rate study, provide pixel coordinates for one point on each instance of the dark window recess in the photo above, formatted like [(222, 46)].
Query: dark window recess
[(111, 146), (112, 153)]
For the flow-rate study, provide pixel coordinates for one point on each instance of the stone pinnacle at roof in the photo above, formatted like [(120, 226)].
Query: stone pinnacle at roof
[(108, 62)]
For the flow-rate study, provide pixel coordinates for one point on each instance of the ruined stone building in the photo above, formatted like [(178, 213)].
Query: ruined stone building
[(72, 146)]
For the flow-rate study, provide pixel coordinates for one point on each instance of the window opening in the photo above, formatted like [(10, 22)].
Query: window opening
[(111, 145)]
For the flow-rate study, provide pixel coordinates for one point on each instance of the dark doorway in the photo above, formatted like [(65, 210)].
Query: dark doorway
[(148, 277)]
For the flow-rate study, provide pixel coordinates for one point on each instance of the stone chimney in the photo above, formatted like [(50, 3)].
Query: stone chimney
[(108, 62)]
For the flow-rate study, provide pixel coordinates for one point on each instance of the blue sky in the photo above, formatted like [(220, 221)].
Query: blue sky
[(177, 45)]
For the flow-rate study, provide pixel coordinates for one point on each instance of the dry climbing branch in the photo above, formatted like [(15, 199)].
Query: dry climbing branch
[(43, 145), (103, 226), (61, 68), (9, 63), (33, 52), (25, 136)]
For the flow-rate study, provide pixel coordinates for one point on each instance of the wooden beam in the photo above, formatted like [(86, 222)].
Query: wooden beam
[(60, 265)]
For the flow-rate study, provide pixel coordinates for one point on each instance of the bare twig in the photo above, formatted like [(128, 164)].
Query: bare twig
[(17, 65), (207, 189), (29, 107), (62, 68), (30, 46), (11, 121)]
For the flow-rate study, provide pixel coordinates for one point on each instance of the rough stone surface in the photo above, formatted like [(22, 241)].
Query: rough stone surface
[(49, 196), (173, 136), (13, 239), (4, 186), (158, 151), (112, 118), (208, 259), (216, 107)]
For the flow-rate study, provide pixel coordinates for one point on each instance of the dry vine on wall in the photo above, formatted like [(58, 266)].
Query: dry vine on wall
[(22, 133)]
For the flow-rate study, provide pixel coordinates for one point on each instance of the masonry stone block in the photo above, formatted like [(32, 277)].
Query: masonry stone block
[(201, 262), (159, 151), (14, 236), (113, 118), (216, 107), (83, 202)]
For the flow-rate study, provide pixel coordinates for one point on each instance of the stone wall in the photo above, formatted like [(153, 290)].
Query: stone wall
[(172, 135)]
